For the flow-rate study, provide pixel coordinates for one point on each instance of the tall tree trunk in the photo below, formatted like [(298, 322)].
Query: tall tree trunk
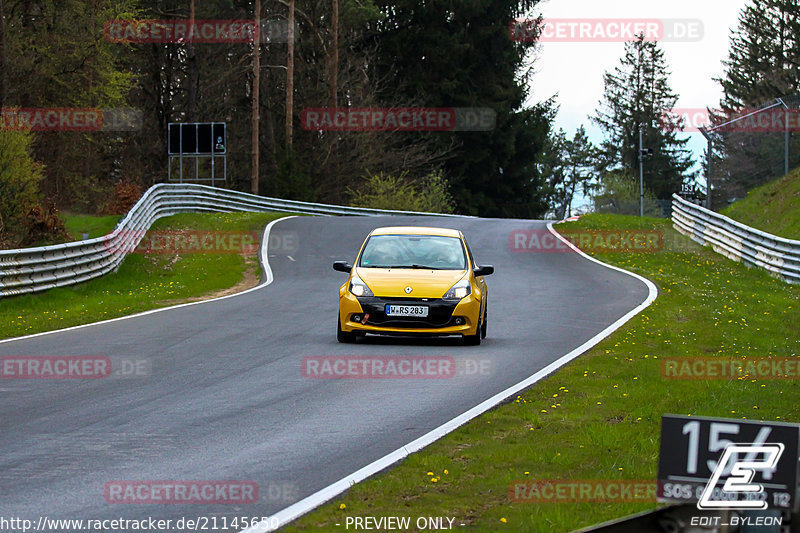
[(290, 79), (193, 72), (256, 88), (334, 89)]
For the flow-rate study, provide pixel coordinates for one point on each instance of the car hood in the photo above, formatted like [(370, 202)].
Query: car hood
[(392, 282)]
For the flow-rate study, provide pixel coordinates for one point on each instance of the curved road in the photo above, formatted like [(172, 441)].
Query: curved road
[(223, 397)]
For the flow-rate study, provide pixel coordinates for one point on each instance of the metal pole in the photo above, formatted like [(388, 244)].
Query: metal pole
[(708, 177), (641, 175)]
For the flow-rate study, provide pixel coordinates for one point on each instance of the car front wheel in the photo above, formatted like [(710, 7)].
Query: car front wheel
[(475, 340), (485, 320), (344, 336)]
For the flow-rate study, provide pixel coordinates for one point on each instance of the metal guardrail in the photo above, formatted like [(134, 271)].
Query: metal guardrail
[(737, 241), (30, 270)]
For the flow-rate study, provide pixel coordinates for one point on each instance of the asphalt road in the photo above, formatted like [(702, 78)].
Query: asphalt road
[(223, 396)]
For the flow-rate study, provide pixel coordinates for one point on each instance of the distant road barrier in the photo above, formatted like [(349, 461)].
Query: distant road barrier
[(737, 241), (29, 270)]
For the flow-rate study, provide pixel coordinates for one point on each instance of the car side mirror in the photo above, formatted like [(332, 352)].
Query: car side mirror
[(484, 270), (342, 266)]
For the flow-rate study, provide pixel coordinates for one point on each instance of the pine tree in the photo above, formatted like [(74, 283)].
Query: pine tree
[(567, 167), (764, 56), (552, 167), (637, 94), (763, 64), (581, 159), (441, 53)]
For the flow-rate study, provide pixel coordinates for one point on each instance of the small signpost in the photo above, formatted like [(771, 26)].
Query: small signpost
[(198, 140), (723, 463), (721, 476)]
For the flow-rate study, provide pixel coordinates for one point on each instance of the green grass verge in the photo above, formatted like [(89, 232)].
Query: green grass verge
[(143, 282), (773, 207), (95, 226), (598, 418)]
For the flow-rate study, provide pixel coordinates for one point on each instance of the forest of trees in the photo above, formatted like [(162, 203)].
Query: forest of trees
[(763, 65), (373, 53), (636, 93), (354, 54)]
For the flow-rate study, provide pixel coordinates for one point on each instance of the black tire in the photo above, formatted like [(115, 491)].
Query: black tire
[(474, 340), (344, 336), (485, 320)]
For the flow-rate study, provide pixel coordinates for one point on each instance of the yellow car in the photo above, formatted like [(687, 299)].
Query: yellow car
[(413, 281)]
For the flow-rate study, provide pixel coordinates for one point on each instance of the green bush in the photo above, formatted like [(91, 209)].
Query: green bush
[(619, 193), (383, 191), (19, 181)]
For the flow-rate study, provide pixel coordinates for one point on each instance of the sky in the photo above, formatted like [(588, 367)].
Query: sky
[(573, 71)]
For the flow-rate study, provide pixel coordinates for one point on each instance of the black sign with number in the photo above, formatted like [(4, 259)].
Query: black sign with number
[(691, 448), (197, 138)]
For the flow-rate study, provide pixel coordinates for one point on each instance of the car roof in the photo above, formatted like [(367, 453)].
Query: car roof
[(416, 230)]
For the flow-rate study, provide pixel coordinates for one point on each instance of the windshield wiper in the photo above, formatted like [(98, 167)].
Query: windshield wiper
[(415, 267)]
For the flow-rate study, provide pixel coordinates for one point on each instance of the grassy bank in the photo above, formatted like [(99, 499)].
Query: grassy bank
[(144, 281), (773, 207), (598, 417), (95, 226)]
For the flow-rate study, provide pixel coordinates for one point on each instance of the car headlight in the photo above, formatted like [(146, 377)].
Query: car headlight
[(458, 291), (359, 288)]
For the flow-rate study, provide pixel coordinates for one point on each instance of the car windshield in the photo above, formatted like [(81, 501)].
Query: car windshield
[(414, 251)]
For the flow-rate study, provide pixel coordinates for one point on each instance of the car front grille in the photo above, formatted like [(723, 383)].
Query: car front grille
[(440, 312)]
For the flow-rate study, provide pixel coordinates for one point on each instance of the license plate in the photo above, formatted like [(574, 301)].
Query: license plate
[(407, 310)]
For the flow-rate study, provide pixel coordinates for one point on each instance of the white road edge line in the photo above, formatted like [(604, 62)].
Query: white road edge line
[(266, 280), (307, 504)]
